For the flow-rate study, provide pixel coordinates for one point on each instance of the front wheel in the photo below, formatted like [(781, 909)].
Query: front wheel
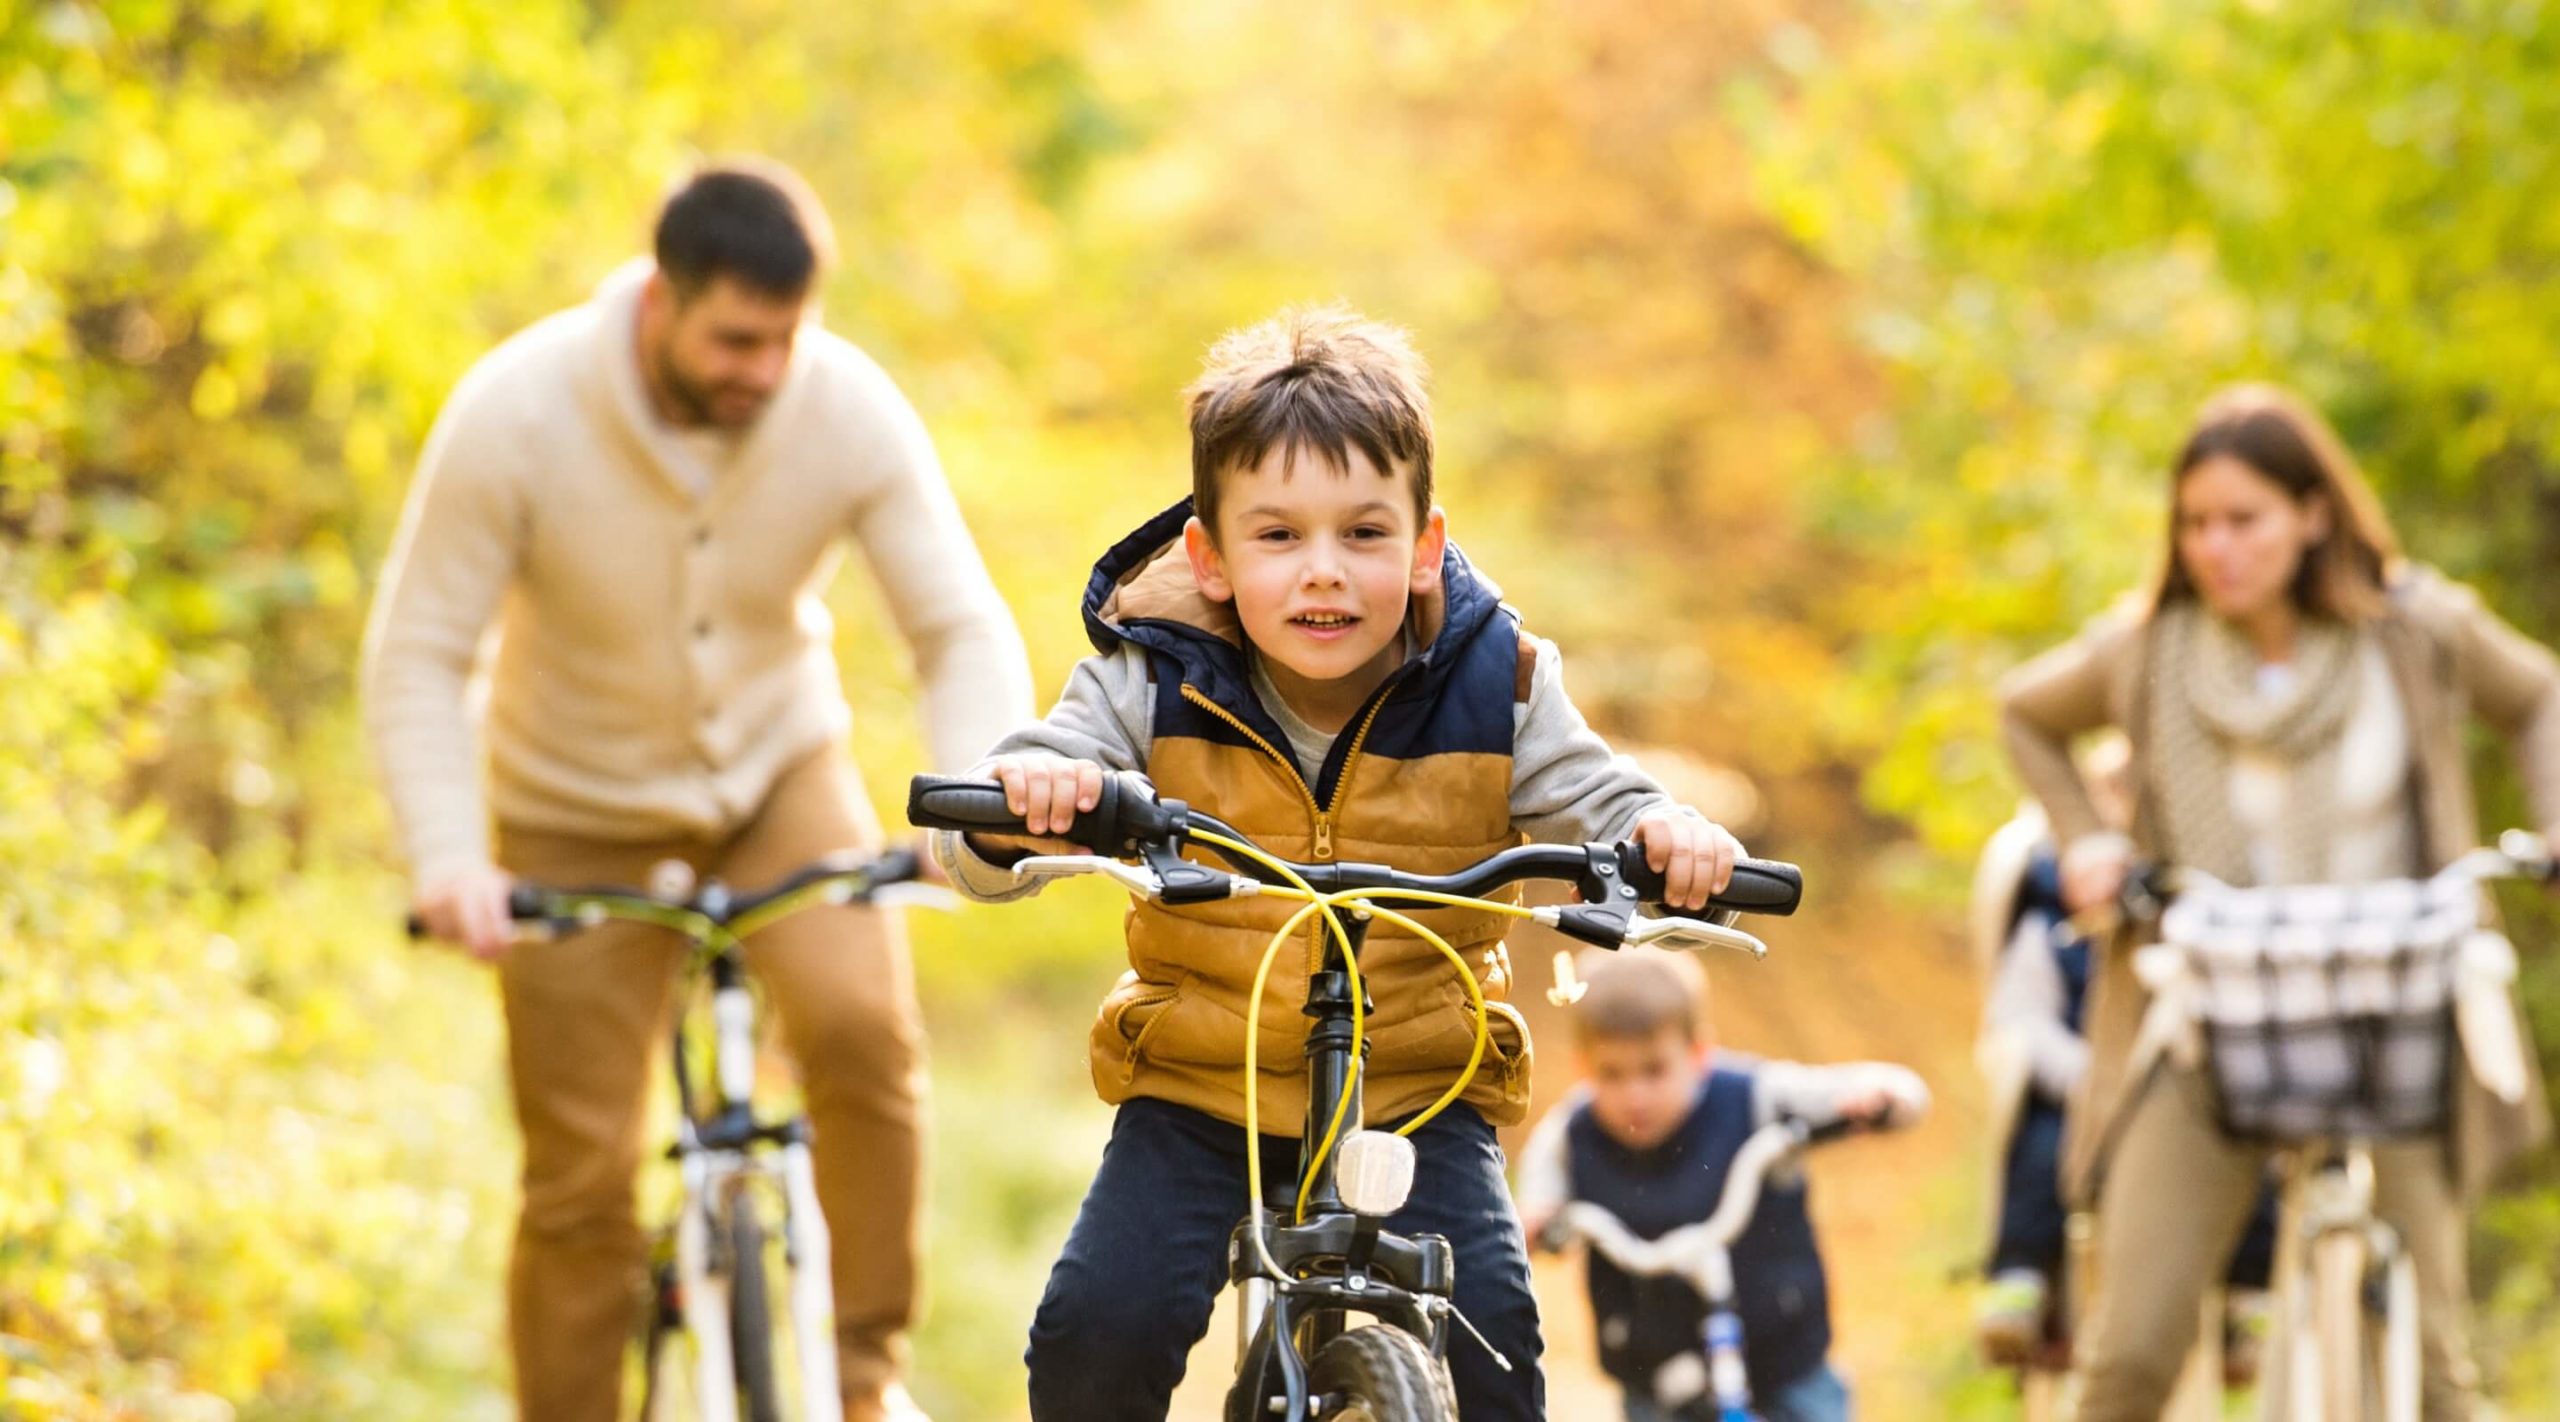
[(1380, 1374), (751, 1317)]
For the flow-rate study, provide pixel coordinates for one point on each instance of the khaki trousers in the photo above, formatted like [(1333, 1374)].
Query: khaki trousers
[(587, 1017), (2177, 1195)]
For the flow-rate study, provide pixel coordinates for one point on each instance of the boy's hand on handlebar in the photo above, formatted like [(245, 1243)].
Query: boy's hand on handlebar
[(1694, 855), (469, 909), (1047, 791)]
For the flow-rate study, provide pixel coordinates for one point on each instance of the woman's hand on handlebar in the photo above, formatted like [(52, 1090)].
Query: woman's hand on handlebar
[(1693, 854), (469, 909), (1048, 792)]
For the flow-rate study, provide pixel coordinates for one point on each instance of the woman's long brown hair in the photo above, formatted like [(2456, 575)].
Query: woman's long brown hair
[(2287, 443)]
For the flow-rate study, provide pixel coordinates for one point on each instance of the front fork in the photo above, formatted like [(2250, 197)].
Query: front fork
[(810, 1252), (705, 1291), (1725, 1373)]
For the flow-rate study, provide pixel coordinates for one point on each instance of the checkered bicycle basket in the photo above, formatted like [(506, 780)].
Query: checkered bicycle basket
[(2327, 1010)]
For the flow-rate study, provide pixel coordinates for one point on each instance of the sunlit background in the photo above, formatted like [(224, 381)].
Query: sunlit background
[(1800, 365)]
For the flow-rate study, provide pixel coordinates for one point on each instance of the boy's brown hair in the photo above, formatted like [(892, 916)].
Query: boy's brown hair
[(1314, 378), (1636, 993)]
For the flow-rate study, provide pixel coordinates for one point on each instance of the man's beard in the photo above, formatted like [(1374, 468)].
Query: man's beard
[(695, 401)]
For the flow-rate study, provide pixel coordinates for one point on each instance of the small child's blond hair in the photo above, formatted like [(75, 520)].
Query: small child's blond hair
[(1636, 993)]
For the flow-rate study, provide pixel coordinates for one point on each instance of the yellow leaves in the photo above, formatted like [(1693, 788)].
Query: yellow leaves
[(216, 395)]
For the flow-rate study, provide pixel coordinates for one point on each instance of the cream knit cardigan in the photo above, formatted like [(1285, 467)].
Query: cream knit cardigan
[(659, 657)]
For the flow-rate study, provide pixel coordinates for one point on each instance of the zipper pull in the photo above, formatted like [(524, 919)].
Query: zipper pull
[(1324, 836)]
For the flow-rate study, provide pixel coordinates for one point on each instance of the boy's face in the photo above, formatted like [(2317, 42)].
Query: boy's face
[(1642, 1087), (1321, 566)]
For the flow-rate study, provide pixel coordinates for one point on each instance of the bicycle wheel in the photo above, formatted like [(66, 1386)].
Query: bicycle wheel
[(1381, 1374), (751, 1317)]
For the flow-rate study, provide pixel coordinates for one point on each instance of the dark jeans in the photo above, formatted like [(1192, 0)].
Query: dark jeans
[(2032, 1217), (1131, 1293), (2031, 1213)]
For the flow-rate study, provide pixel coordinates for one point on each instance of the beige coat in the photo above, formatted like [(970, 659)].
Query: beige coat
[(2449, 657)]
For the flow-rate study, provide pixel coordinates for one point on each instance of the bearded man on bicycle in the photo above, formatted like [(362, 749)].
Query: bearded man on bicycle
[(648, 496)]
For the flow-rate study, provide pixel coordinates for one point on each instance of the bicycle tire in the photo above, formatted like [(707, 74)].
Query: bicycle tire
[(1376, 1373), (750, 1317)]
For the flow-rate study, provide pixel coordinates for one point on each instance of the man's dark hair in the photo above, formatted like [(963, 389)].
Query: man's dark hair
[(753, 220), (1313, 379)]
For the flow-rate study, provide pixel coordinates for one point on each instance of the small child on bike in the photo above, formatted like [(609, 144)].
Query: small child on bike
[(1298, 649), (1651, 1137), (2033, 1052)]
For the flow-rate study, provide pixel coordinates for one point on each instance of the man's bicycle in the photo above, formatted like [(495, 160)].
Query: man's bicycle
[(2327, 1018), (1300, 1276), (1707, 1378), (711, 1272)]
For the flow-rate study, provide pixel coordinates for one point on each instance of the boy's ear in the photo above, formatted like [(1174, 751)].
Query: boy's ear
[(1208, 570), (1426, 553)]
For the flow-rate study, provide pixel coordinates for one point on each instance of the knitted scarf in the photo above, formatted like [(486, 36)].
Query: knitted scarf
[(2206, 704)]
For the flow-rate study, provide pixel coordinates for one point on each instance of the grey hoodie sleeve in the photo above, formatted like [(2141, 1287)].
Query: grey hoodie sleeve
[(1106, 715), (1567, 786)]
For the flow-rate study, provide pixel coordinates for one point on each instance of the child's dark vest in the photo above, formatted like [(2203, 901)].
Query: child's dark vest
[(2040, 901), (1420, 779), (1779, 1288)]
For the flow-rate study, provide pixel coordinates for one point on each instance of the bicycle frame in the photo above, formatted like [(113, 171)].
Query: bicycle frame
[(2333, 1219), (722, 1150), (719, 1153), (1406, 1282), (1296, 1280), (2332, 1236)]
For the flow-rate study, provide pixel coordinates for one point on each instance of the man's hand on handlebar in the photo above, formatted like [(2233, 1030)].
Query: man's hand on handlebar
[(1048, 792), (1693, 854), (469, 909)]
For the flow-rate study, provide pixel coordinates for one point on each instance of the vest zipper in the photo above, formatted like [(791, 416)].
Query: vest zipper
[(1315, 812), (1321, 816)]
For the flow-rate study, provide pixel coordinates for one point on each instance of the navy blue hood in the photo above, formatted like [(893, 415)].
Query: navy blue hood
[(1142, 592)]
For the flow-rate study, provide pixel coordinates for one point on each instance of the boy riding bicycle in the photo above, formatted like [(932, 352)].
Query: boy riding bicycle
[(1298, 650), (1653, 1138)]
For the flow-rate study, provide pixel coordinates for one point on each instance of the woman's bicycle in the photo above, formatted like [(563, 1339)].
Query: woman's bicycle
[(711, 1271), (1300, 1277), (2328, 1018), (1700, 1255)]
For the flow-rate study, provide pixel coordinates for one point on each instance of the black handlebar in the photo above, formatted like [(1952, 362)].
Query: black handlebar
[(1127, 820), (533, 903), (1769, 886), (1123, 817)]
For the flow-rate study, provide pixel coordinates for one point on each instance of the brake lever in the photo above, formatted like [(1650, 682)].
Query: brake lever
[(1683, 931), (1137, 879), (915, 895)]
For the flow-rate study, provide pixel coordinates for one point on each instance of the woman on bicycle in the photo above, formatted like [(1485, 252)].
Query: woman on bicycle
[(2294, 695)]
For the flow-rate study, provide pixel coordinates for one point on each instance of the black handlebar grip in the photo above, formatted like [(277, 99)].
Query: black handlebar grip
[(948, 802), (524, 901), (1767, 886)]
